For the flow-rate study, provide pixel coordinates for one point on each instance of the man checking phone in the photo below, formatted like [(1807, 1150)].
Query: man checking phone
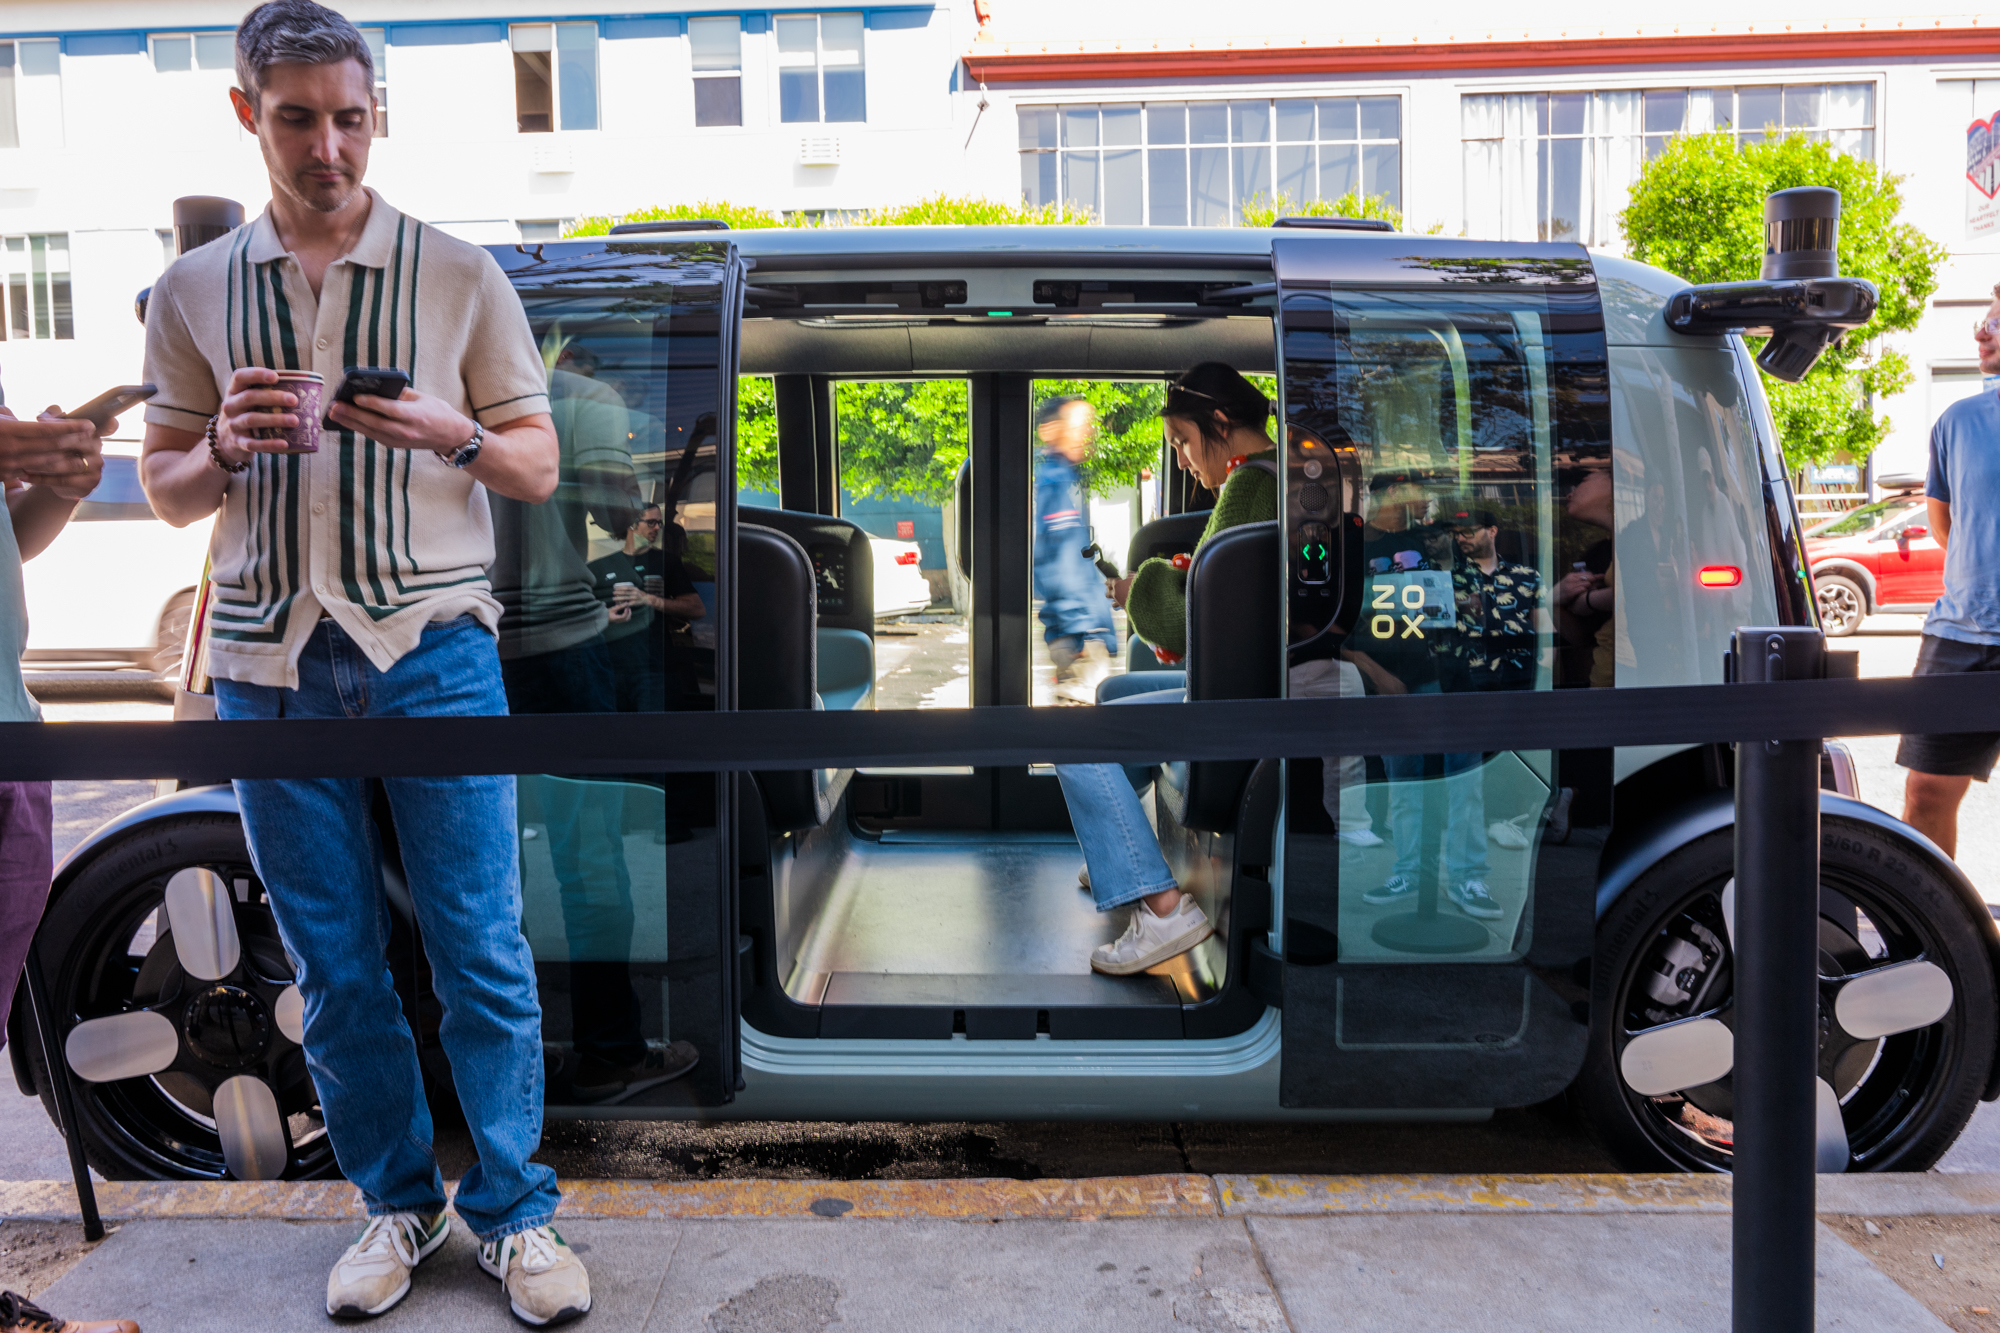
[(351, 581)]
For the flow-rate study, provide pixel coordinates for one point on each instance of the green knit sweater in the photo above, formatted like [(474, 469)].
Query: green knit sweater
[(1157, 600)]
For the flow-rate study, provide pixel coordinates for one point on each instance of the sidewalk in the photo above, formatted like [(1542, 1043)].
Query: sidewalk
[(1268, 1254)]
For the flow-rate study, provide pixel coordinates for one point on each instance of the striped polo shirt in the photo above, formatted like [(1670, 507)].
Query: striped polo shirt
[(382, 540)]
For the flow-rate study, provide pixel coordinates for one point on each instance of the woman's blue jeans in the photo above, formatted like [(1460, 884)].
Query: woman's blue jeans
[(315, 849), (1118, 844)]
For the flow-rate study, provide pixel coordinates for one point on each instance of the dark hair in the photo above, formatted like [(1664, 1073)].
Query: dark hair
[(295, 32), (1212, 387), (1053, 408)]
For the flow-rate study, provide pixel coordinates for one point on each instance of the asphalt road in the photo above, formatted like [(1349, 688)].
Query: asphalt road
[(1534, 1139)]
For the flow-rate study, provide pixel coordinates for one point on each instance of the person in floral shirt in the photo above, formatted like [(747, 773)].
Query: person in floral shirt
[(1498, 603)]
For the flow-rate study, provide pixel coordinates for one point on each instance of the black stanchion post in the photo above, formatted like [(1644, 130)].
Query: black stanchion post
[(1776, 937), (56, 1066)]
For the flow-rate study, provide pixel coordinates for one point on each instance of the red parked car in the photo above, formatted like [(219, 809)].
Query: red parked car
[(1880, 557)]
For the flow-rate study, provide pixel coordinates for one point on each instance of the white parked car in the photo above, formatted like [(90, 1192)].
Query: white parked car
[(900, 586), (140, 573)]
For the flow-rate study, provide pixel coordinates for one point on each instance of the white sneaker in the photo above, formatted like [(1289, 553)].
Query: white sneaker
[(375, 1272), (545, 1281), (1473, 900), (1151, 939), (1083, 878), (1361, 837)]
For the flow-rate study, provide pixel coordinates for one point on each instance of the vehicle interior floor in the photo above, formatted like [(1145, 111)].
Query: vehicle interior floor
[(927, 918)]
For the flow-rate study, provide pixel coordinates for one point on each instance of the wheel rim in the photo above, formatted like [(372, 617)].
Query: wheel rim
[(227, 1094), (1839, 607), (1880, 1085)]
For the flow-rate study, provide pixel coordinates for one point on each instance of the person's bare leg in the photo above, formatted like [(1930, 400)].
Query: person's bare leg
[(1930, 806), (1163, 902)]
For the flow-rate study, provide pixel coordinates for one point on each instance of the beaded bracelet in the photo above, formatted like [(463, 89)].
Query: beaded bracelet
[(215, 452)]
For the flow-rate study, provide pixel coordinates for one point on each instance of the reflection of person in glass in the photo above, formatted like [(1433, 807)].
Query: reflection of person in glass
[(555, 659), (1587, 593), (1076, 617), (1396, 643), (646, 588), (1498, 606)]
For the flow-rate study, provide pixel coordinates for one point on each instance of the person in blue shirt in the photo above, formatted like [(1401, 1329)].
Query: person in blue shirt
[(1076, 613), (1963, 631)]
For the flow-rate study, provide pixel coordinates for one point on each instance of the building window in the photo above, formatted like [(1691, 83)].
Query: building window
[(378, 51), (181, 52), (1176, 164), (555, 76), (30, 94), (542, 229), (821, 75), (37, 286), (1560, 166), (717, 47)]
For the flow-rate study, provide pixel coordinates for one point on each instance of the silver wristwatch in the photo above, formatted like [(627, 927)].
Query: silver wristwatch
[(464, 455)]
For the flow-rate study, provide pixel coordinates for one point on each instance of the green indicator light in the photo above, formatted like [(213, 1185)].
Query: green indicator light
[(1001, 314)]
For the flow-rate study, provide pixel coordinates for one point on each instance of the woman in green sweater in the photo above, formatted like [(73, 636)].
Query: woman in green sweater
[(1216, 421)]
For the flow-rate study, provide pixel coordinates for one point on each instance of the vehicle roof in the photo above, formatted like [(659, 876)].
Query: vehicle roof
[(1230, 246)]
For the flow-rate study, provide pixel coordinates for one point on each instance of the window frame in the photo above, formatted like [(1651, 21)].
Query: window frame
[(378, 52), (820, 68), (15, 66), (557, 119), (1234, 152), (718, 75), (39, 302)]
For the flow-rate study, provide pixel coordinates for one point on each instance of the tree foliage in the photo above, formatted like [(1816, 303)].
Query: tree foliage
[(1259, 211), (1698, 211), (740, 217), (938, 210)]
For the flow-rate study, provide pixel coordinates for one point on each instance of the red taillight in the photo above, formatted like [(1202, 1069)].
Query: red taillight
[(907, 558), (1719, 576)]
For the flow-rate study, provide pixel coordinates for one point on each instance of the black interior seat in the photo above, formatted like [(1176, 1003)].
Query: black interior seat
[(800, 579), (1235, 651), (1172, 535)]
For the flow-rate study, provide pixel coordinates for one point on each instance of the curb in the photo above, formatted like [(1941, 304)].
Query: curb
[(1088, 1200)]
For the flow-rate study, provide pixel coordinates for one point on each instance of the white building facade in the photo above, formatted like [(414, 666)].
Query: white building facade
[(1505, 121)]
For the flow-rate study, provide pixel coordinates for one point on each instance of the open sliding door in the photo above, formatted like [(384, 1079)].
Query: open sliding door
[(620, 597), (1447, 409)]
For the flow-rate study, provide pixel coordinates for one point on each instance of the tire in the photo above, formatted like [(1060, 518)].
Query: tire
[(170, 639), (104, 942), (1842, 604), (1905, 1098)]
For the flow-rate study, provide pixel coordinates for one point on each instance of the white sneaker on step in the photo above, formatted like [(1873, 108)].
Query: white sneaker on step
[(1151, 939), (375, 1271), (545, 1281)]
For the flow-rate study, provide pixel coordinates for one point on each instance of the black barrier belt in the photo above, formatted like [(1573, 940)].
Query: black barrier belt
[(997, 736)]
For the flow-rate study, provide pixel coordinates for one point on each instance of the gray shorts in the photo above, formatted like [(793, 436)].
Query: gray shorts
[(1963, 754)]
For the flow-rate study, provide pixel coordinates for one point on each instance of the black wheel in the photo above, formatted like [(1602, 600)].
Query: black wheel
[(185, 1050), (1888, 921), (1842, 603), (170, 639)]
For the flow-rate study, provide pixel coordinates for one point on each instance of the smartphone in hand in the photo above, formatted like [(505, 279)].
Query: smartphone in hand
[(381, 381), (106, 408)]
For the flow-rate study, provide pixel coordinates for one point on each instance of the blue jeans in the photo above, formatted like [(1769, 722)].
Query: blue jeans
[(1118, 844), (315, 849)]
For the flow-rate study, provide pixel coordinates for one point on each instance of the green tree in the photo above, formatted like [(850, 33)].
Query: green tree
[(756, 434), (1698, 211), (740, 217), (1258, 211)]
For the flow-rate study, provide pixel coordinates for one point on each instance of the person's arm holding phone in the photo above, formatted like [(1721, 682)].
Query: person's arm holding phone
[(517, 458), (46, 466)]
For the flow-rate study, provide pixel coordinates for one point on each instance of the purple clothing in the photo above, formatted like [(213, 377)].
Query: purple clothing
[(26, 861)]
